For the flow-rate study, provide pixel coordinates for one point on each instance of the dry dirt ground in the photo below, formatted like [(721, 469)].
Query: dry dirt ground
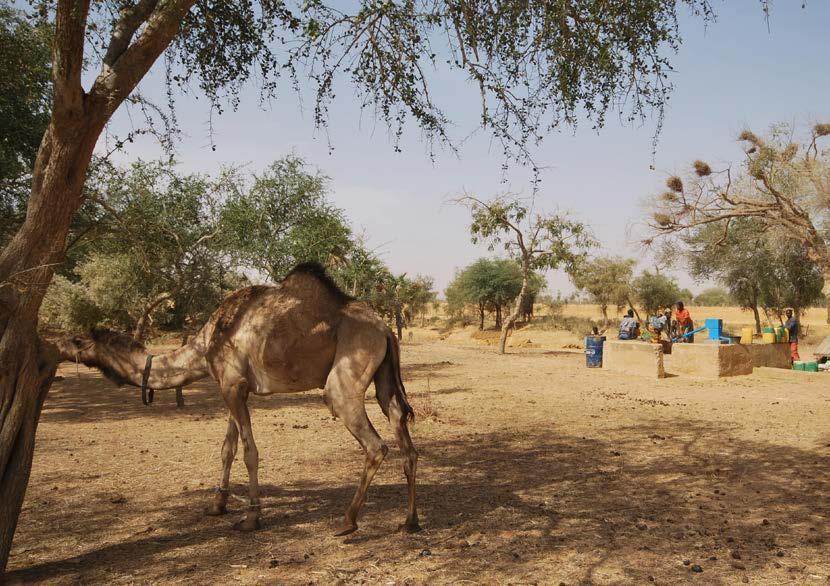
[(533, 469)]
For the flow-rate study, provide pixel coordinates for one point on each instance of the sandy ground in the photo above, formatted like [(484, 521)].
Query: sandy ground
[(533, 469)]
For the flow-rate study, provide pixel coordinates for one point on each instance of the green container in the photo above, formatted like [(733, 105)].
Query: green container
[(798, 365), (811, 366), (779, 334), (768, 330)]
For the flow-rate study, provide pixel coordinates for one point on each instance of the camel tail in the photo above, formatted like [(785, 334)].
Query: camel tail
[(388, 382)]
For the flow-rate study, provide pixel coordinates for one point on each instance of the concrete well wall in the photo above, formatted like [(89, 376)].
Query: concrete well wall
[(633, 357), (710, 360), (770, 355)]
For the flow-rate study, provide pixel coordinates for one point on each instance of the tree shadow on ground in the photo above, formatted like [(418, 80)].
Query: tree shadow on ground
[(93, 398), (524, 505)]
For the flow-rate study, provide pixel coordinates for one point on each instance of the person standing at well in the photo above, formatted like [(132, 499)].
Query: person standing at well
[(684, 321), (792, 329)]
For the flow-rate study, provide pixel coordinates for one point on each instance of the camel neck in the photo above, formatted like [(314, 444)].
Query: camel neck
[(174, 369)]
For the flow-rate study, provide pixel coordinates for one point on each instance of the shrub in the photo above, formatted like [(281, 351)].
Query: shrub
[(68, 306)]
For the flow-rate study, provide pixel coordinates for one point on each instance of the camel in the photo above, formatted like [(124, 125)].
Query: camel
[(301, 334)]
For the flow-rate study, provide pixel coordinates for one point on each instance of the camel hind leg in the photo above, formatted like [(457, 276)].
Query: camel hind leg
[(344, 391), (390, 404)]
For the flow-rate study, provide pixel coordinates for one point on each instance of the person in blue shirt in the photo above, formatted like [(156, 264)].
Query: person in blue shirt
[(792, 328), (629, 327)]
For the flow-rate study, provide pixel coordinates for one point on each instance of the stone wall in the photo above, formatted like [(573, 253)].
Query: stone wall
[(633, 357)]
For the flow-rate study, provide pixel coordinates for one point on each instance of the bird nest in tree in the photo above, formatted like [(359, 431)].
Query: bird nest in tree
[(663, 220), (674, 183), (702, 168)]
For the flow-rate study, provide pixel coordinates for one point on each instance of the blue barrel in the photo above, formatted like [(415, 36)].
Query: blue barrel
[(593, 351)]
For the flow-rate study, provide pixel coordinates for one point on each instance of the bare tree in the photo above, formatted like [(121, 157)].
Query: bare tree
[(537, 242), (784, 185)]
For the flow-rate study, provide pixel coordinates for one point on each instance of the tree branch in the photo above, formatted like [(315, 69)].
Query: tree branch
[(122, 32), (115, 83), (68, 56)]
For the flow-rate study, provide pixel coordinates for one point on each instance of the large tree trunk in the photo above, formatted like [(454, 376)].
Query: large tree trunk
[(27, 370), (632, 306), (27, 365), (604, 309), (511, 320), (27, 264), (757, 318)]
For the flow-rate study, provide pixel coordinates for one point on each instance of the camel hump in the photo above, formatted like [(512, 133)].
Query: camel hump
[(313, 273), (235, 305)]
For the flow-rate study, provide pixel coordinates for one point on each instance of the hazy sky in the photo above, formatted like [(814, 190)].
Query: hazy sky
[(733, 74)]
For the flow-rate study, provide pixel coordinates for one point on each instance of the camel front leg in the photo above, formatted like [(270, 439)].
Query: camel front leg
[(236, 397), (220, 500)]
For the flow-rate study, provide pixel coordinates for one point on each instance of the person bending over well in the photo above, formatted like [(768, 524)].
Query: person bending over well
[(684, 322)]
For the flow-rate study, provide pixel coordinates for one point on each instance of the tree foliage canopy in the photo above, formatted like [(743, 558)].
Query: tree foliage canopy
[(714, 297), (541, 242), (274, 220), (782, 185), (761, 267), (536, 65), (489, 285), (607, 281), (25, 93), (655, 291)]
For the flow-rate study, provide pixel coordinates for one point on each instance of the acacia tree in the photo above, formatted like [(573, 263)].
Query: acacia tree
[(489, 285), (781, 184), (537, 242), (654, 291), (607, 281), (281, 217), (536, 64)]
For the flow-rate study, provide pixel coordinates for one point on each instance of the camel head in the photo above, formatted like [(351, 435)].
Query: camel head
[(113, 353)]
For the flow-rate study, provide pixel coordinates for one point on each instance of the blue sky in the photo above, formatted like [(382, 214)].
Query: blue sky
[(729, 75)]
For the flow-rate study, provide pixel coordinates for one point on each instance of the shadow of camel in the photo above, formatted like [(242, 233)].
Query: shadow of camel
[(535, 504)]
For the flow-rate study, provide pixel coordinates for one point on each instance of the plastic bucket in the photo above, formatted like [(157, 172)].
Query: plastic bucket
[(811, 366), (798, 365), (779, 334), (746, 335), (593, 351), (768, 337)]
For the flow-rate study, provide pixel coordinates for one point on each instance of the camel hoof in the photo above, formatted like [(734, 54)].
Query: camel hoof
[(247, 525), (215, 511), (345, 528), (409, 527)]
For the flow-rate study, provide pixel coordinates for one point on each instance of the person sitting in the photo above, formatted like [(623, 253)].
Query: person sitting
[(684, 323), (629, 327)]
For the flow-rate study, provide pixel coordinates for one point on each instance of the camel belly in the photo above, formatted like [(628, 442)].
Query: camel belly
[(291, 372)]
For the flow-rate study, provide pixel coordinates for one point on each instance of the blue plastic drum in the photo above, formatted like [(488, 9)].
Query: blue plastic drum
[(593, 351)]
